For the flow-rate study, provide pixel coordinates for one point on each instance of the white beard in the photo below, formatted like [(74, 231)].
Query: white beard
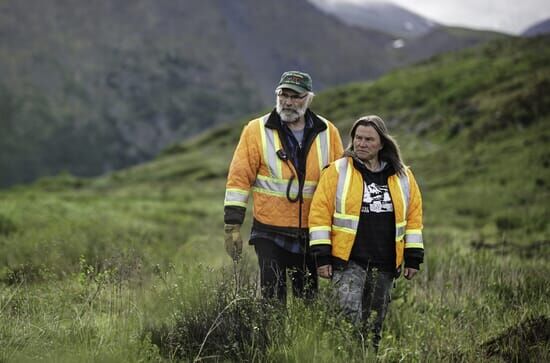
[(291, 114)]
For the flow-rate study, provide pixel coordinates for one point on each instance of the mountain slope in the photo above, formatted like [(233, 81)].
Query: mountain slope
[(382, 16), (539, 28), (98, 86), (415, 37), (296, 35)]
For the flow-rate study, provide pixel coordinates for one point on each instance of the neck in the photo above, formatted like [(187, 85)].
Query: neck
[(372, 164), (297, 124)]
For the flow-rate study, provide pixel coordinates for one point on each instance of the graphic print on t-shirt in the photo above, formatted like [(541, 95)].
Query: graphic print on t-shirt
[(376, 199)]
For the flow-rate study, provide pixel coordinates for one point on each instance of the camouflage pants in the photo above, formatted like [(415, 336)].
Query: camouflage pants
[(364, 296)]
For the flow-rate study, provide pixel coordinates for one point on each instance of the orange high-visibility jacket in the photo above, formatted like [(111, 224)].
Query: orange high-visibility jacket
[(336, 206), (257, 167)]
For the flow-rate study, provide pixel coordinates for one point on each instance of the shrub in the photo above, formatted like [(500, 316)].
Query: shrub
[(230, 322), (7, 226), (507, 223)]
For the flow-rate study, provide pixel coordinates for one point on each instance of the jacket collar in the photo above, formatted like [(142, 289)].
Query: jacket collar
[(274, 121), (360, 165)]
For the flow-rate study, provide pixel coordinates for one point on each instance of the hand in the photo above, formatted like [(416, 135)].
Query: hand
[(325, 271), (409, 272), (233, 241)]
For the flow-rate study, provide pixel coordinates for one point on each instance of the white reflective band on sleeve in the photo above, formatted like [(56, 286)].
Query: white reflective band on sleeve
[(236, 197), (348, 221), (319, 235), (413, 237), (275, 186)]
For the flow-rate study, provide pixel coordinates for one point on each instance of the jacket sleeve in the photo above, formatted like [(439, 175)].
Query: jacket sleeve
[(414, 244), (242, 175), (320, 217)]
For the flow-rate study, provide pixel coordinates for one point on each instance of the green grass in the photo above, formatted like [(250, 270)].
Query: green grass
[(463, 299), (131, 267)]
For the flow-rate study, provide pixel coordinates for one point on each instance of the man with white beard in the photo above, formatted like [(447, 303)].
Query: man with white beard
[(279, 159)]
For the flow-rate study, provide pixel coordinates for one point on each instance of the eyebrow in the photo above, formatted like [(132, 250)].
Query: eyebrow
[(281, 93)]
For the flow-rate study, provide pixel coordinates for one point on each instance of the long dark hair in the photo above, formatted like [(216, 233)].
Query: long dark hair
[(390, 152)]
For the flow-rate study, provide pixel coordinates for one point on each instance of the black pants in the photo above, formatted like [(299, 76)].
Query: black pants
[(275, 262)]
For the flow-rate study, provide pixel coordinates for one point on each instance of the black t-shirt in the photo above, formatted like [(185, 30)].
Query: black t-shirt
[(375, 240)]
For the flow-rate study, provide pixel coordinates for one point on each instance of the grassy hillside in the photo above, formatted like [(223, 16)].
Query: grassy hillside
[(474, 126), (130, 266)]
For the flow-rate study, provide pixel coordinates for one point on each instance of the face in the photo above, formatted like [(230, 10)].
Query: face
[(366, 143), (291, 105)]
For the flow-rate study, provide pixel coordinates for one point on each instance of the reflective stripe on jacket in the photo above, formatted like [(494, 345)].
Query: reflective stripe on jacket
[(336, 206), (256, 167)]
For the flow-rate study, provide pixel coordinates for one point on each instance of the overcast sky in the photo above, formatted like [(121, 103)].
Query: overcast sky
[(510, 16)]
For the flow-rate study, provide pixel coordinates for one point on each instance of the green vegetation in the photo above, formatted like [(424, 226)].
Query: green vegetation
[(131, 267)]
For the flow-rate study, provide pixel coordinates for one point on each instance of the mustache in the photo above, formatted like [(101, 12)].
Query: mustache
[(289, 112)]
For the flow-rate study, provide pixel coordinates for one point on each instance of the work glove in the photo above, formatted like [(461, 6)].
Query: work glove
[(233, 241)]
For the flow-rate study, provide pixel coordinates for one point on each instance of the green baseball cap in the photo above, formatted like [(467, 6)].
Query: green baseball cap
[(296, 81)]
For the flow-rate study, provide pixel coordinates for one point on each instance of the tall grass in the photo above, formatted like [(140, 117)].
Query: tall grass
[(466, 305)]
